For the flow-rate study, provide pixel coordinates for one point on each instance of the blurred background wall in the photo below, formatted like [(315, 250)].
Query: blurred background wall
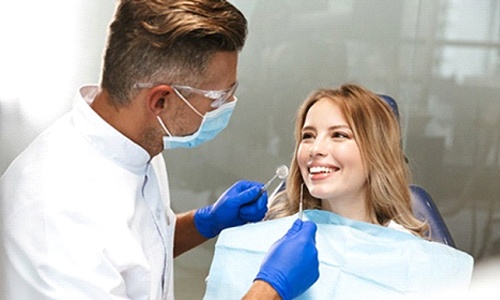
[(440, 59)]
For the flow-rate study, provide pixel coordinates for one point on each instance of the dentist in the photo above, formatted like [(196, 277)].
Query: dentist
[(86, 207)]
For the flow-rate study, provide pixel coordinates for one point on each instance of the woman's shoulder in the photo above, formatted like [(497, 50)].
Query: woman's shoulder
[(392, 224)]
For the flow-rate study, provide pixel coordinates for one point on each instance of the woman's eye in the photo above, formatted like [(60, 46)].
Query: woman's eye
[(306, 135), (340, 135)]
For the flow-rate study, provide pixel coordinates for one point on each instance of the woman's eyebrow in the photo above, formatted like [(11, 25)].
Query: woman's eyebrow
[(339, 127), (310, 127)]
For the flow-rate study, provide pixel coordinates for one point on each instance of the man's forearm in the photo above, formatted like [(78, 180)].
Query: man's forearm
[(261, 290), (186, 235)]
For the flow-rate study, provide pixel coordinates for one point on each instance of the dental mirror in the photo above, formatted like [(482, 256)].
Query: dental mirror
[(281, 173)]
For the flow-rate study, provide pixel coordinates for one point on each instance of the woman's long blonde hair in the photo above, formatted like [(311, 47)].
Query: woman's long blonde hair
[(377, 133)]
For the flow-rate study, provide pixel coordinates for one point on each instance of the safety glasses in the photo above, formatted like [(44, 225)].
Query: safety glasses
[(218, 97)]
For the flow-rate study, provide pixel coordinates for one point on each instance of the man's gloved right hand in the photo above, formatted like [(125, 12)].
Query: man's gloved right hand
[(291, 265)]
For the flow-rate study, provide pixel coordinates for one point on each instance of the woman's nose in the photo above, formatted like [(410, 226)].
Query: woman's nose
[(317, 148)]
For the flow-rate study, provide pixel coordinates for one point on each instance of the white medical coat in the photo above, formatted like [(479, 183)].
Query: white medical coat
[(87, 215)]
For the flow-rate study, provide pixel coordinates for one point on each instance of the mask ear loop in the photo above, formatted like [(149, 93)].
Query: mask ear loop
[(187, 102), (163, 126), (301, 201)]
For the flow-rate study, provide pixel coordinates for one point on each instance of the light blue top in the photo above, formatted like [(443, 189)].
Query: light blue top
[(357, 260)]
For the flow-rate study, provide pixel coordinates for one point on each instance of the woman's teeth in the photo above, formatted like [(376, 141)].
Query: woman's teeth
[(316, 170)]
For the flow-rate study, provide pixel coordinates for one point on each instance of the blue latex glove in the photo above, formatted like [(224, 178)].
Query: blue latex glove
[(291, 265), (235, 207)]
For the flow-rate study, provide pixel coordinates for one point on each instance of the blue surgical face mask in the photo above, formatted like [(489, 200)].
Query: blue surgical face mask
[(212, 124)]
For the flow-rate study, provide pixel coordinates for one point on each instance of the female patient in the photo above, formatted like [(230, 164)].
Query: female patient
[(349, 171), (348, 160)]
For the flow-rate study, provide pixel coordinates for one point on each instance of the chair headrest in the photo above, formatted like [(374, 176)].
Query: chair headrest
[(394, 106), (392, 103)]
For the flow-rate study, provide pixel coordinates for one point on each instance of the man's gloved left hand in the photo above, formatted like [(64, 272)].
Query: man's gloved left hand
[(235, 207)]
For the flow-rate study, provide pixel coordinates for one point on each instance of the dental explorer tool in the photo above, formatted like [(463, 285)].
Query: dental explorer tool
[(301, 201)]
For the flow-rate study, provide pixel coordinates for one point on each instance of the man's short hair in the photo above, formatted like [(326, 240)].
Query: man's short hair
[(167, 41)]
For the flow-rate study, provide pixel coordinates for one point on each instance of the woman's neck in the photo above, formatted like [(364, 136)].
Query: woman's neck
[(351, 209)]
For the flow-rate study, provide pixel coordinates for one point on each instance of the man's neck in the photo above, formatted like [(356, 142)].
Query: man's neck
[(128, 119)]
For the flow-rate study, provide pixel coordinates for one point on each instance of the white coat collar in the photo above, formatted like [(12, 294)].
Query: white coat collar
[(108, 141)]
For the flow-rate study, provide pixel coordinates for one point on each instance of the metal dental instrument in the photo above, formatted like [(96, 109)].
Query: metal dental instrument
[(281, 173), (301, 202)]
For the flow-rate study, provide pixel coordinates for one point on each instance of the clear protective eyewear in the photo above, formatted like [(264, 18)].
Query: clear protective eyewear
[(218, 97)]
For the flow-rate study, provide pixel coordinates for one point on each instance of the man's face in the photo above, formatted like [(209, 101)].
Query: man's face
[(221, 74)]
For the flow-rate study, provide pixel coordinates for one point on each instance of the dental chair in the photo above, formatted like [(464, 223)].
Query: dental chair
[(424, 209), (423, 206)]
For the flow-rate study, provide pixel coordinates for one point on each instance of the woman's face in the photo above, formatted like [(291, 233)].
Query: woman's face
[(330, 161)]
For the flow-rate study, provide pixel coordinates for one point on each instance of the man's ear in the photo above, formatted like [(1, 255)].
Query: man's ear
[(157, 98)]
